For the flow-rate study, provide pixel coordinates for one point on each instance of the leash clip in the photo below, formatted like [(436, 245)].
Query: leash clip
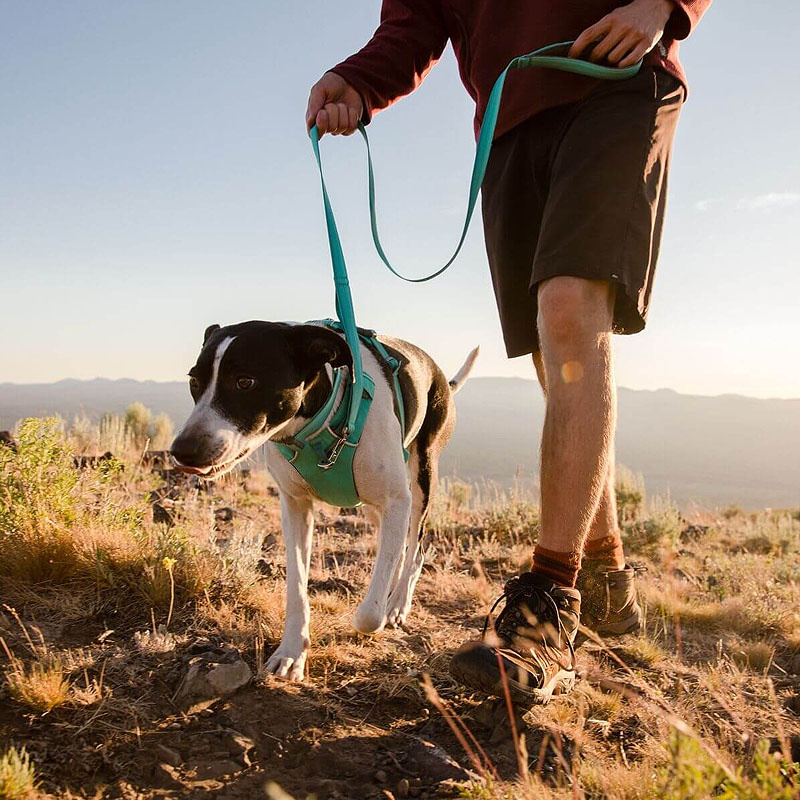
[(336, 451)]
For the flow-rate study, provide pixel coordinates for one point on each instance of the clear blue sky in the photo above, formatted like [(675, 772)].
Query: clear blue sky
[(155, 177)]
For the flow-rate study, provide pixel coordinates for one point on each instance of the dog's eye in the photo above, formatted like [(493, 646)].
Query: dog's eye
[(244, 383), (193, 382)]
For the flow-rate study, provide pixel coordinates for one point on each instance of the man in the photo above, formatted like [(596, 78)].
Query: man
[(573, 207)]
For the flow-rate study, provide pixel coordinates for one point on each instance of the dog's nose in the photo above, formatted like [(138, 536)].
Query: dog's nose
[(185, 452)]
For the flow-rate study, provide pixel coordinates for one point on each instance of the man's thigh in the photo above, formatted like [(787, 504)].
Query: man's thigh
[(607, 191)]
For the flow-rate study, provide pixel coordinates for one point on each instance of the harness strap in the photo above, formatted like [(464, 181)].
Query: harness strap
[(370, 339)]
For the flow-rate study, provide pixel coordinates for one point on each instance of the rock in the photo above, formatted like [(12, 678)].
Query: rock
[(225, 679), (218, 672), (793, 704), (168, 756), (434, 763), (225, 514), (381, 776), (403, 787)]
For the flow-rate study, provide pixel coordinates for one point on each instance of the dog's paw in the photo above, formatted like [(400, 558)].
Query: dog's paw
[(369, 619), (286, 664), (397, 615)]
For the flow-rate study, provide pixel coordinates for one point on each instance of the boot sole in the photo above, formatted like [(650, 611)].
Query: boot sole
[(480, 671)]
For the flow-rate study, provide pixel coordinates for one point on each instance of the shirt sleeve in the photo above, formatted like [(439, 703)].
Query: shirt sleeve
[(408, 42), (685, 17)]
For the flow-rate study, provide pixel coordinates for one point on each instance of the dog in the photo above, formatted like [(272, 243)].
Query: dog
[(258, 383)]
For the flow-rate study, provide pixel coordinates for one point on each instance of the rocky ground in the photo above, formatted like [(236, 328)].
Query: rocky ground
[(116, 690)]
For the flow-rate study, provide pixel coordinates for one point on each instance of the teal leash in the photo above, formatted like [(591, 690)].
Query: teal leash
[(543, 57)]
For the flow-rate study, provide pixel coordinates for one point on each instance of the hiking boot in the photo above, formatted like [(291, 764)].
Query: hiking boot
[(533, 636), (609, 604)]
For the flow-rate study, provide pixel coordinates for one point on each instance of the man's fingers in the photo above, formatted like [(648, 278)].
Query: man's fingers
[(352, 121), (606, 44), (332, 110), (638, 52), (591, 34), (322, 122), (623, 48), (316, 100), (344, 118)]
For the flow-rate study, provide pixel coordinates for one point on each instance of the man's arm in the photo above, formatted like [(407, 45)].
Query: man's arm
[(409, 40), (629, 32)]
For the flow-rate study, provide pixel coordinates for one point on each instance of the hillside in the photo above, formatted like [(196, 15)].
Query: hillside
[(713, 451)]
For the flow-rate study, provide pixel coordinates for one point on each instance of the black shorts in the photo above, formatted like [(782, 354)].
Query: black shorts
[(580, 190)]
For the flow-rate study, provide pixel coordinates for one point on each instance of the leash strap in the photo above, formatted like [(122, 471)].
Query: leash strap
[(546, 57)]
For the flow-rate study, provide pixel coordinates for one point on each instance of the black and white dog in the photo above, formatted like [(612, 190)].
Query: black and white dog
[(258, 382)]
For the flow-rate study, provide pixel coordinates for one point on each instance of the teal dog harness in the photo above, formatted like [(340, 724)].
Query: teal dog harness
[(322, 452)]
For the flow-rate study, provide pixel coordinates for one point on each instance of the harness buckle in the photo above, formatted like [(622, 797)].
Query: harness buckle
[(335, 451)]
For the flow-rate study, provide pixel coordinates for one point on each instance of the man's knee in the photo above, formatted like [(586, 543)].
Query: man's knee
[(574, 310)]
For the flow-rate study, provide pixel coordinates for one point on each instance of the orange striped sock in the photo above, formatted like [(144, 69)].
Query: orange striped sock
[(607, 550), (561, 568)]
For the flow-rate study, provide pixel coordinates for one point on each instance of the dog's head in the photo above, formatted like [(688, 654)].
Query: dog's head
[(249, 383)]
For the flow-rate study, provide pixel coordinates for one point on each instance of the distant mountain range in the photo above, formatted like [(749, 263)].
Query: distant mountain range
[(712, 451)]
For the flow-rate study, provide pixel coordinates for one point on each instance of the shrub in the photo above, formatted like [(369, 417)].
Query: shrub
[(513, 521), (38, 502), (138, 419), (661, 529), (57, 522), (17, 777), (692, 773)]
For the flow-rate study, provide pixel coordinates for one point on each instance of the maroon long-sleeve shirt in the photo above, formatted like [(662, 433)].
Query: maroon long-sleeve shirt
[(486, 35)]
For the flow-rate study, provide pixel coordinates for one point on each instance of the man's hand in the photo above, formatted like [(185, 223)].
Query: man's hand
[(626, 34), (334, 106)]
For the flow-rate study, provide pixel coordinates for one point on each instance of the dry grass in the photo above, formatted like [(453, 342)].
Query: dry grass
[(109, 603), (17, 775)]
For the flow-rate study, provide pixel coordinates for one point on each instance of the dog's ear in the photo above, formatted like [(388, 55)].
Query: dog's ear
[(315, 346), (209, 330)]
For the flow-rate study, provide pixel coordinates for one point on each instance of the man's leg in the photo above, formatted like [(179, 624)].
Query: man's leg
[(609, 604), (603, 542), (533, 636), (574, 322)]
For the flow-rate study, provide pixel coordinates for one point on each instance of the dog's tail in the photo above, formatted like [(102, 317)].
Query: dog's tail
[(460, 378)]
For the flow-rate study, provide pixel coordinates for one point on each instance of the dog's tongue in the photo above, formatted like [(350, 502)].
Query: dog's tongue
[(192, 470)]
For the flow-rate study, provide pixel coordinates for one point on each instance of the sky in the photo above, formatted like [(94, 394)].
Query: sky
[(155, 177)]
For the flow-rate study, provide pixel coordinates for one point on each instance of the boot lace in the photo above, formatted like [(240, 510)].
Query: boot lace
[(532, 613)]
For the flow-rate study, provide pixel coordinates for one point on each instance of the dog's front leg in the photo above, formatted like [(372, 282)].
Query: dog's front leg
[(297, 521), (370, 616)]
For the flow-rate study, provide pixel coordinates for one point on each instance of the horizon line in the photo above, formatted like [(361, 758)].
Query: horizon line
[(476, 377)]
